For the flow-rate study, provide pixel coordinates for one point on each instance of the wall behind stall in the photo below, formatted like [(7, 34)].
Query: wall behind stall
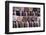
[(2, 17)]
